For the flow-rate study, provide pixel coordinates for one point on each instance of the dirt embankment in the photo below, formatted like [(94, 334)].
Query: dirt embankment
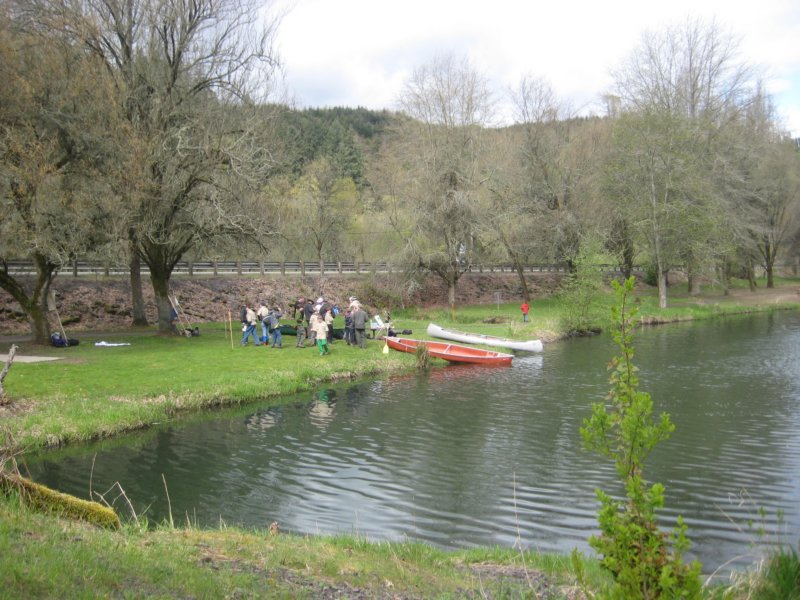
[(105, 304)]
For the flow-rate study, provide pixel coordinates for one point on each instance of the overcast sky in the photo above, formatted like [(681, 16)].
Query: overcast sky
[(361, 52)]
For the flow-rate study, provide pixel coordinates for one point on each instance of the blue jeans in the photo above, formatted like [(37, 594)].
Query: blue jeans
[(251, 330), (264, 333), (276, 337)]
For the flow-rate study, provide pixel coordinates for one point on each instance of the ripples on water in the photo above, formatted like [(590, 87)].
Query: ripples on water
[(466, 456)]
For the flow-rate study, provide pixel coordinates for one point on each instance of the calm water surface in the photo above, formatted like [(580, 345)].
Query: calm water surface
[(467, 456)]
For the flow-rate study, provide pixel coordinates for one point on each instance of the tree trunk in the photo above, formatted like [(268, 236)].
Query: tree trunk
[(137, 296), (37, 318), (662, 285), (451, 294), (692, 275), (160, 280), (725, 276), (627, 258), (751, 276), (769, 264), (693, 284), (34, 304), (520, 269)]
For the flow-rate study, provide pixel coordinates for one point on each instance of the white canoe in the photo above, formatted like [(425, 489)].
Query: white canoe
[(488, 340)]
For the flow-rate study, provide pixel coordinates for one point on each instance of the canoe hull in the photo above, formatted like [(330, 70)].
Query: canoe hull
[(451, 352), (488, 340)]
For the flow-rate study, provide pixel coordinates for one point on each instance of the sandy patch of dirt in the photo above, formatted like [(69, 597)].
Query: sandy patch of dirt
[(28, 359)]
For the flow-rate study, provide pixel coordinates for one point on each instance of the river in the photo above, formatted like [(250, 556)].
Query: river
[(465, 456)]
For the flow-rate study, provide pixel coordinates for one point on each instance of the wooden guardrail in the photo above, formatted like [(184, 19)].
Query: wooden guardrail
[(84, 268)]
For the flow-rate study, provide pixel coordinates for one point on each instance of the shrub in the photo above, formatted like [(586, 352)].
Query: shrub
[(580, 292), (644, 561)]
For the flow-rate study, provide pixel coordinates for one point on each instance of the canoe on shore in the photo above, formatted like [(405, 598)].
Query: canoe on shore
[(451, 352), (488, 340)]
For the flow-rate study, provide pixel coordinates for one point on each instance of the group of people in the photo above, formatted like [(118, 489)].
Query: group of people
[(314, 322), (269, 318)]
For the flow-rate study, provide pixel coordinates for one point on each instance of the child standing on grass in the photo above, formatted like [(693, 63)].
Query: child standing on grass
[(525, 308), (321, 330)]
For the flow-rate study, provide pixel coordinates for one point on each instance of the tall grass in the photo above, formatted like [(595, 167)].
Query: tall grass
[(46, 557)]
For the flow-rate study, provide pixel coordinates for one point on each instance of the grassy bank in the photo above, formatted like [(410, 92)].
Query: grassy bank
[(95, 392), (100, 391), (44, 557)]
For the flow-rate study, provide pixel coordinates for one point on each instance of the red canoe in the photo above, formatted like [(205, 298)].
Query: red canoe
[(451, 352)]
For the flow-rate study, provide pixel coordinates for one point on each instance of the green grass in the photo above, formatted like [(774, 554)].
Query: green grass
[(46, 557)]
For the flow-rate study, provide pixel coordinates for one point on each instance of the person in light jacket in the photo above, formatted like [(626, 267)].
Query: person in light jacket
[(261, 314), (321, 330), (249, 327), (329, 316)]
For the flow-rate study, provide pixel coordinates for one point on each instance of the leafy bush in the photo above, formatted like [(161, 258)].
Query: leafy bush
[(644, 561), (580, 293), (651, 276)]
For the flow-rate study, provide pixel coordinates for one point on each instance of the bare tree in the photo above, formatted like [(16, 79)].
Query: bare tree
[(558, 154), (188, 77), (323, 206), (679, 90), (451, 104), (760, 174), (54, 121)]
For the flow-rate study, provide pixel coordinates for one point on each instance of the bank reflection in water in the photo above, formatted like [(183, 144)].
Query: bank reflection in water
[(461, 456)]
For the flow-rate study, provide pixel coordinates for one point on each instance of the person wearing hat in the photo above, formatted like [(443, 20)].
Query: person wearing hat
[(275, 326)]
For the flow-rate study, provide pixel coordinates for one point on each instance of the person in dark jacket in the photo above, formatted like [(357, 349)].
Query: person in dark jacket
[(299, 319), (360, 318), (349, 333)]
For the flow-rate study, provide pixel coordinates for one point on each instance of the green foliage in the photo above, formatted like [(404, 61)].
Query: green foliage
[(334, 133), (650, 276), (780, 579), (423, 357), (644, 561), (581, 291)]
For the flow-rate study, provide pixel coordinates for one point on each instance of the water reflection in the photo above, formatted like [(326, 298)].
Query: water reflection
[(462, 456)]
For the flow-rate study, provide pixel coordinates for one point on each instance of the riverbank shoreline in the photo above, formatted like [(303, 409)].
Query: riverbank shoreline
[(39, 414)]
